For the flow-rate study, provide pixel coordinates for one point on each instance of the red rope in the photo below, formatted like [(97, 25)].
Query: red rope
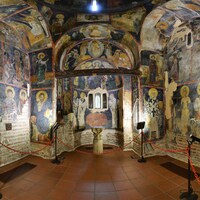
[(28, 153), (193, 168)]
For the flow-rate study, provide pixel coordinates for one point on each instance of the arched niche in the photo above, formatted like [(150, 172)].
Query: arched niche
[(96, 41)]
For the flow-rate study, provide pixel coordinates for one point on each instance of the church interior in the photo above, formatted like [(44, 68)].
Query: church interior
[(99, 99)]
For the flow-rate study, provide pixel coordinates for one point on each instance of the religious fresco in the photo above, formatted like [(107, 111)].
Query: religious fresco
[(120, 49), (92, 49), (41, 115), (14, 66), (86, 118), (10, 36), (153, 113), (151, 68), (31, 27), (41, 68), (12, 101), (76, 101), (108, 82), (183, 64), (92, 18), (8, 8), (95, 64), (186, 110), (130, 20), (60, 23)]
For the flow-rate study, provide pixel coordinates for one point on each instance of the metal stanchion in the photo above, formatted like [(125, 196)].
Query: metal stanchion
[(54, 130), (190, 195)]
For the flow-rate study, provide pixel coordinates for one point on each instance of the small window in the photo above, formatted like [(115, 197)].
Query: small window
[(98, 100), (189, 41), (105, 100), (90, 101)]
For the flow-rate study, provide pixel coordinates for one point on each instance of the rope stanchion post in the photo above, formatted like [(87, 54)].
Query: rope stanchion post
[(190, 195), (140, 126)]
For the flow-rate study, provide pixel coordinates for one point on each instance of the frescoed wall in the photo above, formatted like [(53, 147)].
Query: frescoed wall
[(78, 101), (175, 41), (37, 44)]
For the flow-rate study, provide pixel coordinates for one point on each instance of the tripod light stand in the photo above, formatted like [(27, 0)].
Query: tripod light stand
[(140, 126)]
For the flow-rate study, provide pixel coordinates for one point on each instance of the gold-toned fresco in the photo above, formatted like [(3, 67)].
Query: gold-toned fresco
[(130, 20), (92, 17), (89, 50), (31, 27), (185, 110), (96, 31)]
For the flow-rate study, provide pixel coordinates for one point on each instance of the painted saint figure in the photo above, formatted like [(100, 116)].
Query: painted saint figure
[(41, 67), (41, 117), (22, 100), (185, 112), (82, 105), (152, 107), (113, 107), (9, 104)]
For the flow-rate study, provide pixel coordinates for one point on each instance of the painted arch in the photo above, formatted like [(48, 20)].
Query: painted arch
[(96, 41)]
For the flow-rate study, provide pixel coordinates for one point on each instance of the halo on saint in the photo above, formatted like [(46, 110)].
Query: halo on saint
[(41, 93), (41, 55), (184, 89), (9, 88), (153, 92), (23, 94)]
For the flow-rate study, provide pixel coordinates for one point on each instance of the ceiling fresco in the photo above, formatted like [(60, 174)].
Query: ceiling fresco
[(98, 41), (166, 20)]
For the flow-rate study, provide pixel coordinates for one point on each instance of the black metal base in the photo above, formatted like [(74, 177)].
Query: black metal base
[(142, 159), (1, 196), (186, 195), (56, 161)]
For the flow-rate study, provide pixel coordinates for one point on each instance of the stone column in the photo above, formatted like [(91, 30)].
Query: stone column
[(97, 142)]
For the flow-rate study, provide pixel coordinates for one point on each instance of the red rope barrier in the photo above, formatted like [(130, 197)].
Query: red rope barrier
[(169, 150), (193, 168), (28, 153)]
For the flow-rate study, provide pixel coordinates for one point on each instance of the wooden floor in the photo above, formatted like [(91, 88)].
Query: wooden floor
[(84, 176)]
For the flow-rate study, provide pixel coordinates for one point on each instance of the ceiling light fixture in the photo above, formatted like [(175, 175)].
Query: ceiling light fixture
[(94, 6)]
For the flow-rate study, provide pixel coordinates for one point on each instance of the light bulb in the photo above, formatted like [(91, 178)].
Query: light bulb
[(94, 6)]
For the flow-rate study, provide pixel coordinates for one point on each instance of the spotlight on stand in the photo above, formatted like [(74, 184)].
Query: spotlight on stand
[(192, 139), (140, 126), (190, 195)]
